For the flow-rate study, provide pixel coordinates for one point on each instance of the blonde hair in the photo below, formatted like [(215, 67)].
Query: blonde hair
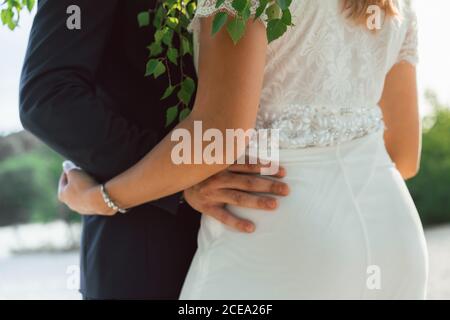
[(357, 10)]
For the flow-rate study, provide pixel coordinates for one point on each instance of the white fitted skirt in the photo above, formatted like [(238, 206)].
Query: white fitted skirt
[(348, 230)]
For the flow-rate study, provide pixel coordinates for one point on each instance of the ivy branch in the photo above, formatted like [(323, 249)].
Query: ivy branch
[(171, 18), (172, 41)]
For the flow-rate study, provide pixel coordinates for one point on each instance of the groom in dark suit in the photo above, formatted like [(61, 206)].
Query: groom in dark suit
[(84, 93)]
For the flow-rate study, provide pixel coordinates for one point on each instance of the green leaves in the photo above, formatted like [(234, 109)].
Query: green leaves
[(171, 115), (241, 6), (279, 19), (173, 112), (276, 13), (172, 41), (184, 113), (187, 90), (155, 68), (219, 21), (144, 19), (168, 92), (219, 3), (184, 95), (275, 29), (236, 29), (262, 7), (29, 4), (186, 45), (284, 4), (11, 9), (172, 55)]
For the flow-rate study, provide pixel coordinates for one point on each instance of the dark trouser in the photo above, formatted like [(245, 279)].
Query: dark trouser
[(144, 254)]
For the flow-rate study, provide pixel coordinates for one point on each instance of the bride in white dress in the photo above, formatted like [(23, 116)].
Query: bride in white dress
[(349, 228), (345, 101)]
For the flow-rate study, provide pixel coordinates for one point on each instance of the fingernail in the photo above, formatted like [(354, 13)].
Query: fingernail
[(284, 190), (271, 204), (279, 173), (68, 165), (250, 228)]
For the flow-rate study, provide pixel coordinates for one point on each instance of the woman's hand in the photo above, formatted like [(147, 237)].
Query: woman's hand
[(80, 192)]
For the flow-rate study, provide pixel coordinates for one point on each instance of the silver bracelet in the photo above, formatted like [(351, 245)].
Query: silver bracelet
[(108, 201)]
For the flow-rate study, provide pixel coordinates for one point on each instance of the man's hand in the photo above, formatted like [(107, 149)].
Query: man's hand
[(234, 186)]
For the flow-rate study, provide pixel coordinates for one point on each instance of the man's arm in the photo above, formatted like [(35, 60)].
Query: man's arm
[(59, 100)]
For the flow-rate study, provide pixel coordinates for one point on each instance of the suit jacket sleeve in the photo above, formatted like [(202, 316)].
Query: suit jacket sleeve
[(59, 101)]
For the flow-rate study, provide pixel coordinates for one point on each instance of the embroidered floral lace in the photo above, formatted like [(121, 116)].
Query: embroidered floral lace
[(325, 76)]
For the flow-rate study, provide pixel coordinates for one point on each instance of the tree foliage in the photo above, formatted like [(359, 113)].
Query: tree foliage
[(11, 9), (28, 188), (431, 188)]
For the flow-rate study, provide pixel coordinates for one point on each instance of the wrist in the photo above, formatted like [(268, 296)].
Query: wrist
[(97, 203)]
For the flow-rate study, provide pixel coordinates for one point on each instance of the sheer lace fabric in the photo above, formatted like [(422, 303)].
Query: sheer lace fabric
[(325, 76), (207, 8)]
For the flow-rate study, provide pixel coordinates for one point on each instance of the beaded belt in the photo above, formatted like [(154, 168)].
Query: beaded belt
[(303, 126)]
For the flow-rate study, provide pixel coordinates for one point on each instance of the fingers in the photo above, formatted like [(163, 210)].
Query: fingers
[(72, 174), (252, 183), (255, 169), (230, 220), (71, 170), (61, 186), (246, 200)]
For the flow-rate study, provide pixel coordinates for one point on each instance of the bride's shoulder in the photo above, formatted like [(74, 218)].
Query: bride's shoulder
[(408, 16), (207, 8)]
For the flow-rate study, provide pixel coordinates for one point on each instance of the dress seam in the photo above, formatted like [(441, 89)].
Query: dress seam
[(360, 217)]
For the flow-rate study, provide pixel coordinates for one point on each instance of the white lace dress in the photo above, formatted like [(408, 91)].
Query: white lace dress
[(349, 228)]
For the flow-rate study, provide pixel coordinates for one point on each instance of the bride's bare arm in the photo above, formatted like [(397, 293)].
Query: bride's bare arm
[(401, 115), (229, 88)]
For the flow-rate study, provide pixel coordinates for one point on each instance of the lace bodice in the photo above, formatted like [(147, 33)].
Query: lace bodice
[(324, 77)]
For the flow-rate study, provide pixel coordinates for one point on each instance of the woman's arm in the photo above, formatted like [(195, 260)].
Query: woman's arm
[(399, 104), (229, 88)]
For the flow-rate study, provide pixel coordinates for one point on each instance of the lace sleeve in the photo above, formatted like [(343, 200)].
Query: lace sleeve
[(409, 48), (206, 8)]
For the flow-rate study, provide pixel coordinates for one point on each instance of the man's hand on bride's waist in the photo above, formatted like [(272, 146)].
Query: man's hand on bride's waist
[(239, 185)]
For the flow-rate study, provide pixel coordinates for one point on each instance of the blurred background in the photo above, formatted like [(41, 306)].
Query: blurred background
[(39, 238)]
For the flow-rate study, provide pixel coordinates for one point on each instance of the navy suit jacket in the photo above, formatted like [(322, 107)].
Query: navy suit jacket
[(83, 92)]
